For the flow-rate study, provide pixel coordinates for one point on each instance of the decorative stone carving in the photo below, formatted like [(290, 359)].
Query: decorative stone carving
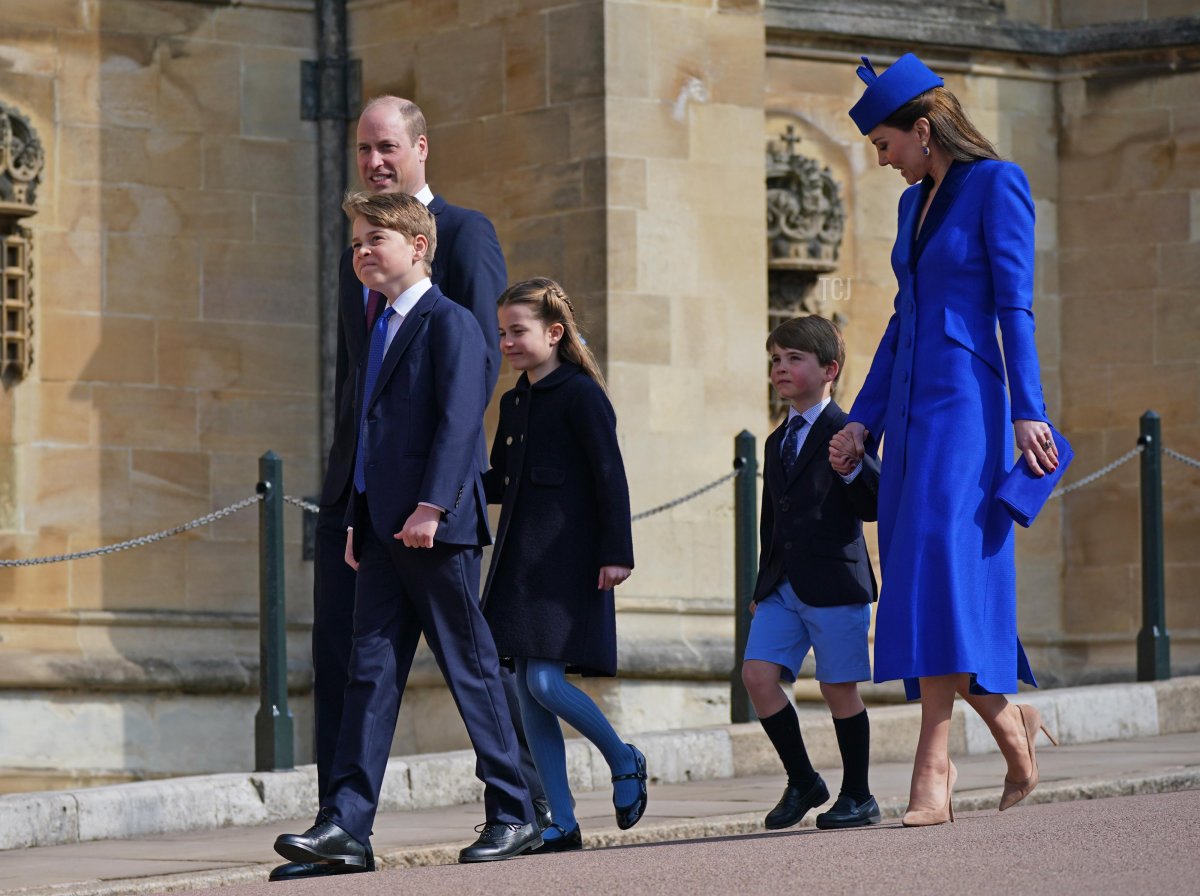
[(805, 214), (22, 159), (806, 220)]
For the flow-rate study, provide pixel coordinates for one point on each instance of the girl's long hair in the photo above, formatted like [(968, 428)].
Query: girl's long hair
[(550, 305), (949, 125)]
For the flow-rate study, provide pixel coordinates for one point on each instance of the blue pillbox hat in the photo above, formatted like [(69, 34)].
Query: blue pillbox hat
[(907, 77)]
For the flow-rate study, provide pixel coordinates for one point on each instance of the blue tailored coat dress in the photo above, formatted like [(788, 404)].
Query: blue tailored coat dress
[(936, 396), (558, 475)]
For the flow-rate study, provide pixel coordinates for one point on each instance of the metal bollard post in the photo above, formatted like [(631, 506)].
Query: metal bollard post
[(745, 565), (1153, 642), (274, 743)]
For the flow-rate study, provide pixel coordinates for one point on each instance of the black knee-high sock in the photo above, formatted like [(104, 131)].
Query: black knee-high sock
[(854, 743), (783, 729)]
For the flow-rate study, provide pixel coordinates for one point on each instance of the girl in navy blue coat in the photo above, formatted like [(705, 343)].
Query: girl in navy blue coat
[(564, 542)]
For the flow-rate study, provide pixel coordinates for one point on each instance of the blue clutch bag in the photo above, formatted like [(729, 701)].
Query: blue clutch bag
[(1023, 494)]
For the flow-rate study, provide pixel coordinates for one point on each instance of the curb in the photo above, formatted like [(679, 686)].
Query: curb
[(176, 805), (656, 833)]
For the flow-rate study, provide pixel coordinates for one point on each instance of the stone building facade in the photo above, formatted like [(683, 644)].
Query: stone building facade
[(622, 147)]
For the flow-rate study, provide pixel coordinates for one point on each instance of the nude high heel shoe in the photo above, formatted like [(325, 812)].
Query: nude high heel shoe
[(916, 818), (1015, 791)]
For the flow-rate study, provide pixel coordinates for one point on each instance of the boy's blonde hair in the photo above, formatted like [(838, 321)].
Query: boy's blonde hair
[(813, 334), (395, 211), (550, 305)]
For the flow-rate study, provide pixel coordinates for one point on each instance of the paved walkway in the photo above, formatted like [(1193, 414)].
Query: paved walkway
[(194, 861)]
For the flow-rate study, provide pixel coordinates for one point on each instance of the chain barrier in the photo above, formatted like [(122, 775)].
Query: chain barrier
[(683, 499), (1103, 471), (302, 504), (310, 507), (1182, 458), (141, 540)]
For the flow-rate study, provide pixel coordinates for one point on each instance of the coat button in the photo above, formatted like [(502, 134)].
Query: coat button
[(517, 400), (787, 545), (508, 441), (522, 437), (506, 480), (785, 505)]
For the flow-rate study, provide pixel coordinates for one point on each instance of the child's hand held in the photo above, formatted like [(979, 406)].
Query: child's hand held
[(420, 527), (350, 561)]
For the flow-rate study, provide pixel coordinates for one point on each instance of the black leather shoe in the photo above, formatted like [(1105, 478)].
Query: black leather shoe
[(541, 813), (323, 842), (304, 870), (628, 816), (501, 841), (568, 842), (795, 804), (848, 812)]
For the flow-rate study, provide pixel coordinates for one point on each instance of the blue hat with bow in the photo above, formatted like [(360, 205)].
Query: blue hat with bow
[(907, 77)]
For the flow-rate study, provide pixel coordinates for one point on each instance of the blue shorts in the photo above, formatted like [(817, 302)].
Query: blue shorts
[(785, 628)]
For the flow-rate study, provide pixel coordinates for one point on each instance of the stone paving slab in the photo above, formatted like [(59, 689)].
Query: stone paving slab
[(715, 807), (1076, 715)]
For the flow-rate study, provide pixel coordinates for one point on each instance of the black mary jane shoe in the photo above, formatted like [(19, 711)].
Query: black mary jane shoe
[(795, 804), (569, 841), (324, 842), (628, 816), (498, 840), (849, 812)]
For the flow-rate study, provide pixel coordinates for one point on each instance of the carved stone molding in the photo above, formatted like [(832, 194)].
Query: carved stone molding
[(22, 159)]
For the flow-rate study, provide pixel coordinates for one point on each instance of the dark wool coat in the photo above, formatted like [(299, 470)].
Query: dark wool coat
[(558, 476)]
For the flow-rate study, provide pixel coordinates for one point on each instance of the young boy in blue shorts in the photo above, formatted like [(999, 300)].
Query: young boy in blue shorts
[(815, 583)]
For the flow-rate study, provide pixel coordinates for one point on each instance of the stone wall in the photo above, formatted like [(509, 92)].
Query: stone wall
[(1129, 224), (175, 337)]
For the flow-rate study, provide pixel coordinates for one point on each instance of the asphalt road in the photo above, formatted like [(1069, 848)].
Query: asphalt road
[(1133, 845)]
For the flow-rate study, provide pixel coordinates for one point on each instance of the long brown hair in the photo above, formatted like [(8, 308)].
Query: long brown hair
[(550, 305), (949, 125)]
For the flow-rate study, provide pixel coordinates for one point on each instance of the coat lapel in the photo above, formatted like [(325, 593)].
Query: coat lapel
[(952, 184), (413, 321)]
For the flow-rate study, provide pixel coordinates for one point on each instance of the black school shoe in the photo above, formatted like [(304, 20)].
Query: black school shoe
[(498, 840), (848, 812), (795, 804), (305, 870), (324, 842)]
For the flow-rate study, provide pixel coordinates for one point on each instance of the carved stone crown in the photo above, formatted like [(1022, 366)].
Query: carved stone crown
[(805, 215)]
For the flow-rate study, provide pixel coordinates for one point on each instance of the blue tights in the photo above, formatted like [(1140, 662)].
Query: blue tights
[(546, 697)]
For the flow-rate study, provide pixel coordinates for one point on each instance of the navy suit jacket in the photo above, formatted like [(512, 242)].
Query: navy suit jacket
[(424, 426), (468, 267), (811, 526)]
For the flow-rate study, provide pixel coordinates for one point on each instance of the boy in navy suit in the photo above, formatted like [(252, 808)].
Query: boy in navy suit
[(417, 519), (815, 583)]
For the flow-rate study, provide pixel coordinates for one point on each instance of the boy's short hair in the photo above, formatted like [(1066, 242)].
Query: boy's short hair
[(813, 334), (395, 211)]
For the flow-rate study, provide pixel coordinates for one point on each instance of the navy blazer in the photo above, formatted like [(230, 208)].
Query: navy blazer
[(811, 525), (468, 267), (424, 426)]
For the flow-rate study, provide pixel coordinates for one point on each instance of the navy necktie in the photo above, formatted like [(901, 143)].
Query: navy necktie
[(374, 363), (791, 444)]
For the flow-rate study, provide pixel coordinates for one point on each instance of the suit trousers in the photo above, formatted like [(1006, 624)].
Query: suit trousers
[(332, 637), (402, 593)]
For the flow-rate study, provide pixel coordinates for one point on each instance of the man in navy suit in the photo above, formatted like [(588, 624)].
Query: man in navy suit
[(469, 268), (417, 520)]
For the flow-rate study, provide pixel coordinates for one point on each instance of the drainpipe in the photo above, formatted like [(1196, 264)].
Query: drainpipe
[(331, 86)]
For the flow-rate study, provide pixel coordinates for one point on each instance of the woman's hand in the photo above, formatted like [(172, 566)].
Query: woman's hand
[(842, 455), (1037, 444), (612, 576)]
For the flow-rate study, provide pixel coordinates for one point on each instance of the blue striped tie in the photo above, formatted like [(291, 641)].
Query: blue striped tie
[(374, 363)]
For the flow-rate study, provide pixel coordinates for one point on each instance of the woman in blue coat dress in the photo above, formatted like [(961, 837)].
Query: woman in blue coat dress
[(936, 395)]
